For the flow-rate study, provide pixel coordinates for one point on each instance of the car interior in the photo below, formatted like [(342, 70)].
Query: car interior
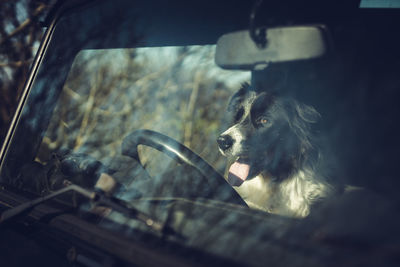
[(117, 131)]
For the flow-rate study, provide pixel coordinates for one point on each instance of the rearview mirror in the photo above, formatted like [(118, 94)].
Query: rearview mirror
[(238, 51)]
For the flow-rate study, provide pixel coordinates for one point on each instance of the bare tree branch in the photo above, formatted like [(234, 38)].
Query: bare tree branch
[(19, 33), (24, 24), (16, 64)]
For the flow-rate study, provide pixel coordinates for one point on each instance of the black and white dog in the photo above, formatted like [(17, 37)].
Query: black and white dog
[(274, 159)]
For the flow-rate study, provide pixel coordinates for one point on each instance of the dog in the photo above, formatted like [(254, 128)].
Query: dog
[(274, 158)]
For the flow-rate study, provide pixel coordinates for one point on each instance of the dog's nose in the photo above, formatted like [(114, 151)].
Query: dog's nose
[(225, 142)]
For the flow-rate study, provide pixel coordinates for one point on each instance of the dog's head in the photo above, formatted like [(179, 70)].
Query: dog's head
[(270, 133)]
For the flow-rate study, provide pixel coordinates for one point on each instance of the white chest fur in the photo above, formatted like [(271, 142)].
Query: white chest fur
[(256, 192), (291, 197)]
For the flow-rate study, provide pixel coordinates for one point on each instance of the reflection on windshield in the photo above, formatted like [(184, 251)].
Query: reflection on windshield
[(177, 91)]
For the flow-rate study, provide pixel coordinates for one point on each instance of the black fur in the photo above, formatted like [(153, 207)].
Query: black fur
[(273, 135)]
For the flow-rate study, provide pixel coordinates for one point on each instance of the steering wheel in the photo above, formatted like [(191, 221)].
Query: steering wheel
[(177, 151)]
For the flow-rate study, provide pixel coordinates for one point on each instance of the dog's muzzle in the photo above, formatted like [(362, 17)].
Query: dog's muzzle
[(225, 142)]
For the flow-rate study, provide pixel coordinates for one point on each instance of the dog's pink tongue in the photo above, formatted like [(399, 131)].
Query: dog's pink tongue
[(238, 173)]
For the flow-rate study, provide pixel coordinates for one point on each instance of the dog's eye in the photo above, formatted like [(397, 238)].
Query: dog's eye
[(261, 121)]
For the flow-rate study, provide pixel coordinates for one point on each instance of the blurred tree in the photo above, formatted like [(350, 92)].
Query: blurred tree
[(20, 33)]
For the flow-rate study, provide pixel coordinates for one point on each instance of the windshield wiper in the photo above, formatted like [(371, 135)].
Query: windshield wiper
[(97, 198)]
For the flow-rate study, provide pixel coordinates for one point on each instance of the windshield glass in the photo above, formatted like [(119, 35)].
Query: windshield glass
[(136, 109), (177, 91)]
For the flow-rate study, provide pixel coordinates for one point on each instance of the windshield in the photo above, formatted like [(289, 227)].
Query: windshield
[(137, 109), (177, 91)]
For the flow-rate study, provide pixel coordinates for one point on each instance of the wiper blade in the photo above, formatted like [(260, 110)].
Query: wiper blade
[(96, 197)]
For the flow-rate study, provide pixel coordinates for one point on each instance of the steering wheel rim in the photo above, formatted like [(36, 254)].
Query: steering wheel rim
[(183, 155)]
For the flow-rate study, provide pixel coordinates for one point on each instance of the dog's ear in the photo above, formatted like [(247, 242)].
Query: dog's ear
[(238, 96), (245, 87), (307, 113)]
